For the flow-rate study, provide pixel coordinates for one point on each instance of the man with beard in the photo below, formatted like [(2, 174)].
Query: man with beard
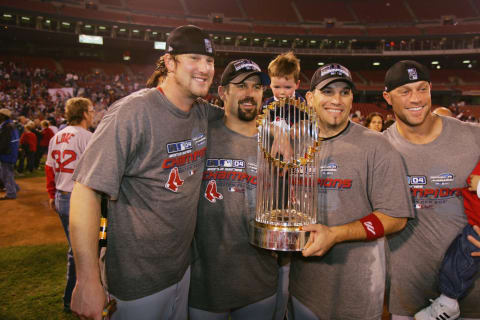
[(440, 153), (147, 157), (362, 196), (230, 277)]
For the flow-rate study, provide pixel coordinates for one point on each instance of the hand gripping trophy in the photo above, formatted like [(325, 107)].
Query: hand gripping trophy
[(286, 178)]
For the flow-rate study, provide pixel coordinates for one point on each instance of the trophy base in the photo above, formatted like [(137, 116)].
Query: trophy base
[(279, 238)]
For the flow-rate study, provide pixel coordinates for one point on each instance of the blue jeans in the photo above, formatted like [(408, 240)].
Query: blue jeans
[(7, 175), (62, 204), (459, 267)]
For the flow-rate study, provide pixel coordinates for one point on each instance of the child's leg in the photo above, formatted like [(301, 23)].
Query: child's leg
[(456, 276), (459, 267)]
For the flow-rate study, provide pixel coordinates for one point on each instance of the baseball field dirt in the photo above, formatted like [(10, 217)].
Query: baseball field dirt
[(28, 220)]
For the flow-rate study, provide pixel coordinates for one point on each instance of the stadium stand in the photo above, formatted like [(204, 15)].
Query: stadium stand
[(36, 6), (424, 10), (228, 27), (278, 29), (370, 11), (455, 29), (162, 7), (93, 14), (31, 61), (92, 66), (229, 9), (262, 11), (147, 20), (391, 31), (353, 31), (114, 3), (316, 11), (354, 27)]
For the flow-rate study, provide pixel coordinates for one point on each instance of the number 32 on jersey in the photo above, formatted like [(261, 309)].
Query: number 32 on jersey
[(63, 159)]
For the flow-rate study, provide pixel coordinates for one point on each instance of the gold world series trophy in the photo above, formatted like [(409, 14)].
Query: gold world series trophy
[(287, 181)]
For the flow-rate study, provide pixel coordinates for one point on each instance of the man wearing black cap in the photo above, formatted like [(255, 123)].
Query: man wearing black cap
[(230, 277), (439, 152), (147, 157), (342, 274)]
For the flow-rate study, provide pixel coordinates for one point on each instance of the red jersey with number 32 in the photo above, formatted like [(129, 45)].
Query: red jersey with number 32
[(64, 151)]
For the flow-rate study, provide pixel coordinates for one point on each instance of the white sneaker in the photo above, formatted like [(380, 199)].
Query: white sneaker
[(438, 311)]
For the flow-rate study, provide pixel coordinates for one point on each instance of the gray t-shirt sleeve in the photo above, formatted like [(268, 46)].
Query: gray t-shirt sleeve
[(389, 192), (104, 162)]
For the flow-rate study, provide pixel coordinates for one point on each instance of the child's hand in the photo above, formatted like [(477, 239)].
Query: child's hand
[(475, 242), (474, 179)]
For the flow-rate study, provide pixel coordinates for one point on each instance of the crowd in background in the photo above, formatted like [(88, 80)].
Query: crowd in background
[(24, 90)]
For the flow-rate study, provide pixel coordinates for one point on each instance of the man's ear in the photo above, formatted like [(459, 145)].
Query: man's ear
[(386, 96), (309, 97), (170, 62), (222, 92)]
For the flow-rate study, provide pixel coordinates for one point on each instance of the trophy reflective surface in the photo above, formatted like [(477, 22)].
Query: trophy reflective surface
[(286, 177)]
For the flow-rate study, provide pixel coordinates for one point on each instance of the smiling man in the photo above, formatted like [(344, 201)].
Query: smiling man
[(230, 277), (363, 195), (147, 157), (440, 153)]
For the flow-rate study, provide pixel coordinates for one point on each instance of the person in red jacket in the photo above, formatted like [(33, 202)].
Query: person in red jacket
[(47, 134), (28, 142), (462, 260)]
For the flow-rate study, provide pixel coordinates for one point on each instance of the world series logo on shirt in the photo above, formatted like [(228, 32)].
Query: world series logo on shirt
[(180, 146), (226, 163)]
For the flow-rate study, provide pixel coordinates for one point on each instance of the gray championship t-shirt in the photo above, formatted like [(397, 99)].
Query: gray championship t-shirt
[(436, 173), (228, 272), (360, 172), (148, 157)]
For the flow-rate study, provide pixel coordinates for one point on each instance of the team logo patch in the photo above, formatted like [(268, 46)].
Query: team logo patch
[(443, 179), (329, 168), (200, 139), (180, 146), (225, 163), (335, 69), (416, 180), (174, 180), (246, 64), (208, 45), (211, 193), (412, 74)]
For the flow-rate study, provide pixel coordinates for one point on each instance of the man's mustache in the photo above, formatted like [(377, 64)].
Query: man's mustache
[(248, 100)]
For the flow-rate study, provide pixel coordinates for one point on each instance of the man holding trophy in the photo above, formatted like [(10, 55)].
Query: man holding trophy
[(357, 181)]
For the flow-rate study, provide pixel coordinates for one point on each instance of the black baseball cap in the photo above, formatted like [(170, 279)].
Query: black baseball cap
[(190, 39), (329, 73), (405, 71), (238, 71)]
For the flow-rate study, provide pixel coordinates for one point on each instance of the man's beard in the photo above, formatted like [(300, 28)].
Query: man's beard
[(247, 115)]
